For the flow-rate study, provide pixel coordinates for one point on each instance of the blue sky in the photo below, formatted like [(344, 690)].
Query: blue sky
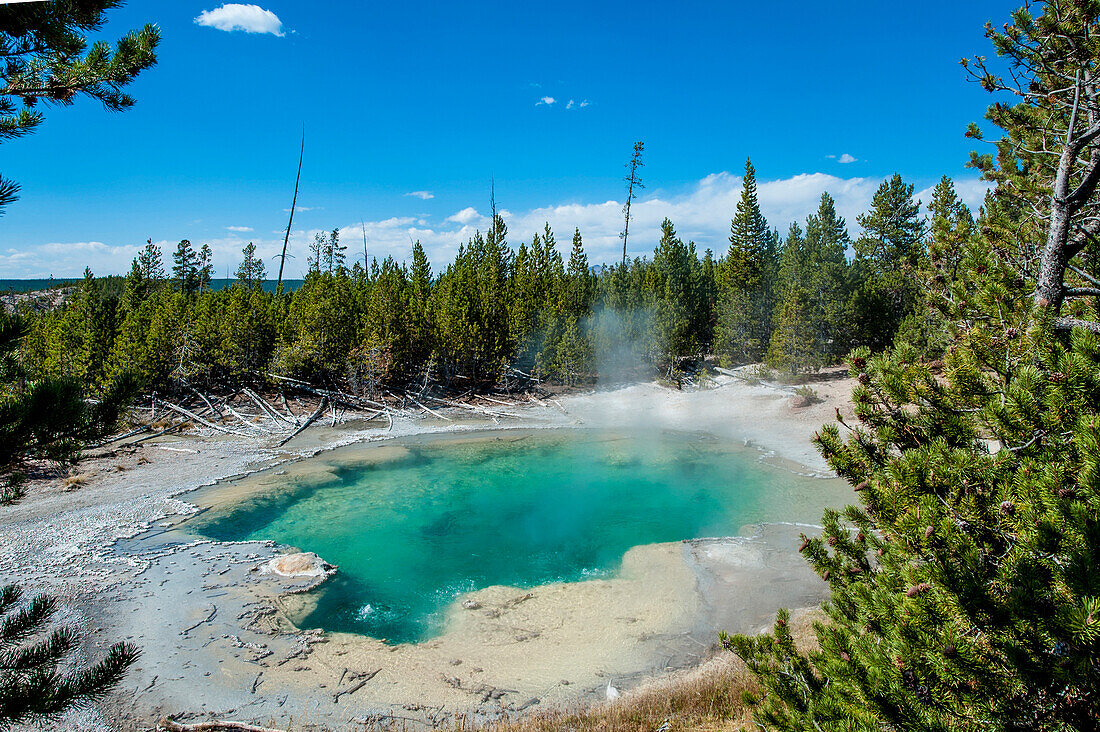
[(440, 98)]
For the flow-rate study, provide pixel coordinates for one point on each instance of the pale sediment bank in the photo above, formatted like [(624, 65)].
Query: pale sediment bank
[(213, 630)]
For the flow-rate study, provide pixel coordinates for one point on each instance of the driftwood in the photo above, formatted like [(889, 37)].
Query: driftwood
[(212, 726), (339, 397), (200, 420), (203, 397), (168, 429), (356, 687), (496, 401), (312, 418), (535, 379), (243, 420), (162, 432), (265, 407), (475, 408), (131, 433), (426, 409), (289, 411)]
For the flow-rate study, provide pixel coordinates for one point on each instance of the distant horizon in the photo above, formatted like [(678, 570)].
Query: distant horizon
[(7, 285)]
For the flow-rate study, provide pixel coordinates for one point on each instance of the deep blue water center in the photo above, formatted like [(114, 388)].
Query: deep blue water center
[(412, 532)]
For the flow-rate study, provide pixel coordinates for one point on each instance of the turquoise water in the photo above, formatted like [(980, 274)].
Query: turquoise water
[(411, 533)]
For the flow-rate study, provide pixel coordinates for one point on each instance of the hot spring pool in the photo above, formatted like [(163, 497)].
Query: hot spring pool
[(415, 524)]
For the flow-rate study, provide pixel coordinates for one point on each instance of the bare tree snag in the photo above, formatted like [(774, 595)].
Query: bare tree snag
[(293, 205), (312, 418), (633, 181)]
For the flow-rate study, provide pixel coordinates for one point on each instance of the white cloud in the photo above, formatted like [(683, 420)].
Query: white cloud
[(570, 104), (422, 195), (465, 216), (584, 104), (300, 209), (701, 213), (545, 100), (844, 158), (240, 229), (248, 18)]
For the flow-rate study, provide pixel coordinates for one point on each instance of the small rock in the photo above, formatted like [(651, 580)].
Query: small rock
[(471, 605)]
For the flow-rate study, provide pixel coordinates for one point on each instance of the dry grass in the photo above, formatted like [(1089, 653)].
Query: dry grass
[(75, 481), (708, 698)]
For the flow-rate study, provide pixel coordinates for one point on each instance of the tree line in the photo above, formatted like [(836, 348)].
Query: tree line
[(797, 302)]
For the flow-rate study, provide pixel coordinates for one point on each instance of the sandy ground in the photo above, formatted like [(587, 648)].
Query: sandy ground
[(213, 629)]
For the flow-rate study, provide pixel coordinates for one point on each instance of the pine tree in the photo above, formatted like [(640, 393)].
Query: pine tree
[(420, 313), (795, 345), (251, 273), (204, 268), (185, 267), (964, 591), (334, 253), (47, 60), (47, 418), (744, 284), (674, 281), (816, 266), (634, 183), (951, 229), (888, 256), (35, 686), (151, 262), (580, 285)]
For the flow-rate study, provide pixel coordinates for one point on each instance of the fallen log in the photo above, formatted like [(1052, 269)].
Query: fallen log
[(170, 428), (203, 397), (428, 410), (289, 411), (169, 725), (497, 401), (265, 407), (241, 418), (200, 420), (162, 432), (356, 687), (312, 418), (131, 433), (348, 400)]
